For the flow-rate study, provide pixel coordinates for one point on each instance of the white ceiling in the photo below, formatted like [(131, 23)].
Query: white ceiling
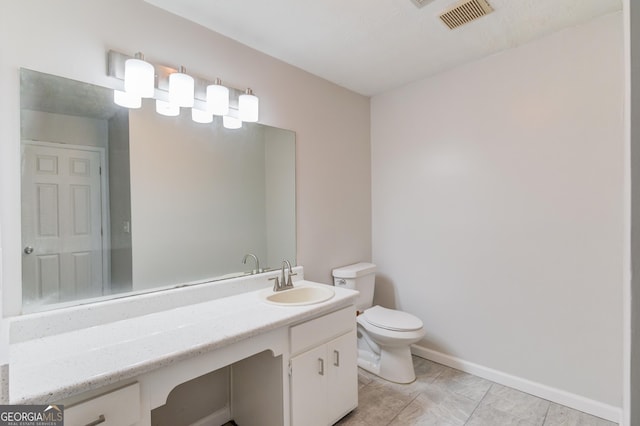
[(370, 46)]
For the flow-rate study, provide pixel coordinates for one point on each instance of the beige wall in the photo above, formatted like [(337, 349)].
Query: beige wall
[(279, 181), (197, 198), (331, 123), (60, 128), (120, 202), (191, 401), (498, 206)]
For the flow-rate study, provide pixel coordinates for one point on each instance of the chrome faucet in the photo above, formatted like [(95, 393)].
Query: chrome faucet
[(284, 283), (289, 283), (244, 261)]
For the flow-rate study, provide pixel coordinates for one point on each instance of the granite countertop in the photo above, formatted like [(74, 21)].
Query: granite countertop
[(55, 367)]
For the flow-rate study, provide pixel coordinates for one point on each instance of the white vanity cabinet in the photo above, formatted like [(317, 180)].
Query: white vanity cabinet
[(287, 365), (323, 369), (117, 408), (342, 378)]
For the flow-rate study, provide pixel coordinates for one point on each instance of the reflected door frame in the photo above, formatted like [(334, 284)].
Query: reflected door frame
[(104, 203)]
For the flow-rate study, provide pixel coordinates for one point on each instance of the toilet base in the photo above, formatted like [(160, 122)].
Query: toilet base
[(393, 364)]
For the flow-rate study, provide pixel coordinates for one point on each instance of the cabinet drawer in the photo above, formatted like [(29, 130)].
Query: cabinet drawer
[(118, 408), (320, 330)]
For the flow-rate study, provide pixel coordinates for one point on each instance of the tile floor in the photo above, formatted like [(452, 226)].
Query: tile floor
[(444, 396)]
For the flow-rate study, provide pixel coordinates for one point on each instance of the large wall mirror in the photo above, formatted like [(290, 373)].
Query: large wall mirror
[(118, 201)]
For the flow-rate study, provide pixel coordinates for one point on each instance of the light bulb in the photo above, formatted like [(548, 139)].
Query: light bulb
[(139, 77), (181, 89), (167, 108), (200, 116), (231, 122), (126, 100), (248, 106), (217, 98)]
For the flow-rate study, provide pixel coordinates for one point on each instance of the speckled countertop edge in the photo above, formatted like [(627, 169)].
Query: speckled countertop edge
[(56, 367)]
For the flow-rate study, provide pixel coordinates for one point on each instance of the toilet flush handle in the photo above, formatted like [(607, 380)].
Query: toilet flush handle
[(342, 281)]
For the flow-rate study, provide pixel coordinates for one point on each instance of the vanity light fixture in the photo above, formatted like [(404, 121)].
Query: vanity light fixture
[(218, 98), (231, 120), (248, 106), (200, 116), (181, 88), (139, 77), (173, 89), (127, 100), (167, 108), (231, 123)]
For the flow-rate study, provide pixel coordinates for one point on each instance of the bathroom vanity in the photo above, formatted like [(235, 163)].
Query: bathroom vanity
[(289, 364)]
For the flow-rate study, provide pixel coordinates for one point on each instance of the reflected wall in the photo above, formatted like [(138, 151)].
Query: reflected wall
[(179, 202), (204, 196)]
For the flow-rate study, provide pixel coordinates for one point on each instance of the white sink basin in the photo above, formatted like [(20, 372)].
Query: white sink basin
[(303, 293)]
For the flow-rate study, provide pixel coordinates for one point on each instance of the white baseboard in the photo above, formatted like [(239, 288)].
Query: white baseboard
[(216, 418), (558, 396)]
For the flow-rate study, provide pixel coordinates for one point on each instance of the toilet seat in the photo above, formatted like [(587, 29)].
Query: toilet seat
[(390, 319)]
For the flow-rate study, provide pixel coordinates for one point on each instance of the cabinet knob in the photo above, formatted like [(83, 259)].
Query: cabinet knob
[(336, 358), (321, 365)]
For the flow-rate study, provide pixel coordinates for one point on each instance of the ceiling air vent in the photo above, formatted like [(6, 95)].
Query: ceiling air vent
[(465, 11)]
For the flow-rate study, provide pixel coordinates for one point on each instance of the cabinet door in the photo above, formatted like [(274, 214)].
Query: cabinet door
[(342, 378), (309, 388), (118, 408)]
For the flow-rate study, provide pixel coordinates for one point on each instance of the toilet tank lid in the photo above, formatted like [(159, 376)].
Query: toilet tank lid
[(354, 271)]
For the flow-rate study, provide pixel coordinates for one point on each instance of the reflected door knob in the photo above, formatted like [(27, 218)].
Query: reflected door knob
[(28, 250)]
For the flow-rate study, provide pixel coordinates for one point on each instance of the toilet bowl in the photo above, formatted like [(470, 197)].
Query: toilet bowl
[(385, 335)]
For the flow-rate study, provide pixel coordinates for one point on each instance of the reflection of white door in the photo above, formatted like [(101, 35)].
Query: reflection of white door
[(61, 222)]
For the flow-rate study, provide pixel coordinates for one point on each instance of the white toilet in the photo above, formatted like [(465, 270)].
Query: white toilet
[(384, 335)]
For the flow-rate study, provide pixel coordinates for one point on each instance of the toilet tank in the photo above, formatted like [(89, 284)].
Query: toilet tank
[(359, 276)]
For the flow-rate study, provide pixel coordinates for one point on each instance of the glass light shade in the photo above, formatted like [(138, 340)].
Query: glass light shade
[(126, 100), (248, 106), (181, 89), (139, 78), (200, 116), (167, 108), (231, 122), (217, 99)]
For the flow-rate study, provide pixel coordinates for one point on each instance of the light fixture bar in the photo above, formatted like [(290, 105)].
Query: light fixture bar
[(116, 61), (176, 89)]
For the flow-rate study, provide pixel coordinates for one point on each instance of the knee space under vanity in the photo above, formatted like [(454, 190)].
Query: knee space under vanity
[(248, 392)]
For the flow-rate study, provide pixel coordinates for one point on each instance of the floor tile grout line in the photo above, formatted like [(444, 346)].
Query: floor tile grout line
[(438, 375), (546, 414), (431, 379), (413, 399), (403, 408), (478, 404)]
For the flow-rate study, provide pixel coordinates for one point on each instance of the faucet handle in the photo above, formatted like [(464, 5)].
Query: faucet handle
[(289, 282), (276, 284)]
